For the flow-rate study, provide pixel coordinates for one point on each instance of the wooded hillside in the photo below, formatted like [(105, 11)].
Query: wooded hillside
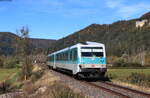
[(119, 37), (9, 44)]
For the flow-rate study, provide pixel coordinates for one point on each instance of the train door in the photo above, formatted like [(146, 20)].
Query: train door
[(54, 61), (75, 60)]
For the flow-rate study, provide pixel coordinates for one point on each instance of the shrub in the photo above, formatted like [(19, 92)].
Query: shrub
[(2, 59), (140, 79), (4, 87), (27, 66), (36, 75), (123, 63), (56, 90), (1, 62), (10, 62), (61, 91), (111, 76)]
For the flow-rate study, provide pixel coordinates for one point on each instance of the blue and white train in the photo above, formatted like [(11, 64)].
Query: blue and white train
[(82, 60)]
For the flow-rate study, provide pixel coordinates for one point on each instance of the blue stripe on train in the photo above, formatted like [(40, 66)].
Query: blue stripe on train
[(93, 60), (67, 62), (85, 60)]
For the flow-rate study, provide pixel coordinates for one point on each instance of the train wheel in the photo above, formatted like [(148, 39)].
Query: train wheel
[(102, 76), (49, 67), (76, 76)]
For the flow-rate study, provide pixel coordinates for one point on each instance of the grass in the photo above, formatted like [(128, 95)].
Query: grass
[(6, 73), (139, 77), (126, 72)]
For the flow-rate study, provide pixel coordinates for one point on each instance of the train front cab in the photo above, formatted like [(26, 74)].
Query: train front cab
[(92, 62)]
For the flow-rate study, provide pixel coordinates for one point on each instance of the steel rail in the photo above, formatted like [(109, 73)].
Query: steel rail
[(126, 88), (107, 90)]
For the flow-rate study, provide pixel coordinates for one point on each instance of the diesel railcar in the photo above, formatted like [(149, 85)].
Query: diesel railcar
[(83, 60)]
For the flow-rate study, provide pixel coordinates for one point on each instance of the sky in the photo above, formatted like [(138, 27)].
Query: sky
[(54, 19)]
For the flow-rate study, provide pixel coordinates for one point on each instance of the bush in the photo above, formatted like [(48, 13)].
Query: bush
[(140, 79), (9, 62), (2, 59), (123, 63), (61, 91), (36, 75), (111, 76), (4, 87), (27, 66), (56, 90)]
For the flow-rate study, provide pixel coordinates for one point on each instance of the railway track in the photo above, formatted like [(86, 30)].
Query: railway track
[(129, 89), (108, 90), (113, 89), (128, 92)]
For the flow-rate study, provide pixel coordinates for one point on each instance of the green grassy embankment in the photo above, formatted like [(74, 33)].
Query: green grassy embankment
[(139, 77), (6, 73), (121, 73)]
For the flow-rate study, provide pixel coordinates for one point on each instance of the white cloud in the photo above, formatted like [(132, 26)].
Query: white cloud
[(121, 8), (130, 10), (126, 10), (66, 8), (114, 3)]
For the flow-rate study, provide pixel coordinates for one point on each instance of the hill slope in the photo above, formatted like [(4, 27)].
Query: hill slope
[(119, 37), (8, 43)]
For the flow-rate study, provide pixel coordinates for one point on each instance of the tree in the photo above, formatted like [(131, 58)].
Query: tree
[(24, 52)]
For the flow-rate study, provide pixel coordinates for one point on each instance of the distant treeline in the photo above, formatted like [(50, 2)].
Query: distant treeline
[(9, 44)]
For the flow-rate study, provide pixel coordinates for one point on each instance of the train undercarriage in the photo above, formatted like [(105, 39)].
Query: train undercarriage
[(91, 73)]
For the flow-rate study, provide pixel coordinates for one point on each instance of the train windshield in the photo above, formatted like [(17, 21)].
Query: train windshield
[(92, 52)]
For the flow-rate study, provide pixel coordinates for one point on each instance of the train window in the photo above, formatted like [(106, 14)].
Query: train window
[(58, 56), (91, 54), (91, 48), (63, 57), (48, 58), (70, 54), (66, 56), (51, 58), (75, 54)]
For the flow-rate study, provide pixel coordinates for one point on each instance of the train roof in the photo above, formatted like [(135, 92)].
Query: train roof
[(87, 43)]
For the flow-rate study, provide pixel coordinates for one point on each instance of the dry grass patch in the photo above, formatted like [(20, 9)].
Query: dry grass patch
[(56, 90), (48, 86), (46, 80)]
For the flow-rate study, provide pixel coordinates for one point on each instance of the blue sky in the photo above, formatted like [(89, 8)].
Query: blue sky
[(54, 19)]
